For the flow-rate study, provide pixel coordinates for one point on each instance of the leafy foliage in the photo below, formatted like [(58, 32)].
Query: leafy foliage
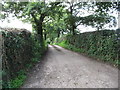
[(101, 45), (51, 20), (73, 13), (21, 50), (18, 81), (98, 15), (32, 12)]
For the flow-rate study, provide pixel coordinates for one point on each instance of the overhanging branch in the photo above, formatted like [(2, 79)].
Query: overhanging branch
[(35, 19)]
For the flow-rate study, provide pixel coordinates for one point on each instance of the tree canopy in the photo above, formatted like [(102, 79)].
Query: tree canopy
[(59, 17)]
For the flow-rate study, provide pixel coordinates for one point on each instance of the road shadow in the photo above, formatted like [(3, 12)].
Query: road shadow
[(38, 65)]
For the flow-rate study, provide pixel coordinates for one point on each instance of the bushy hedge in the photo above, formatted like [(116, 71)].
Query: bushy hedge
[(20, 50), (103, 45)]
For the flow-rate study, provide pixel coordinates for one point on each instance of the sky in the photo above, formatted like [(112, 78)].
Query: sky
[(19, 24), (16, 23)]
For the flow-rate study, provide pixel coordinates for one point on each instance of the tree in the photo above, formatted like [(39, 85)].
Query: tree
[(98, 14), (33, 12), (54, 26), (37, 13), (72, 15), (101, 15)]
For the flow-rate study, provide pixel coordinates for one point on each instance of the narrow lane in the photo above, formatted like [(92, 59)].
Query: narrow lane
[(62, 68)]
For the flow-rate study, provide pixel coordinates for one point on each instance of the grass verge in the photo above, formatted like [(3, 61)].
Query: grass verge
[(18, 81), (83, 52)]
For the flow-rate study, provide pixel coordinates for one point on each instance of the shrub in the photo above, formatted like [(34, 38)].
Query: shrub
[(99, 44), (20, 50)]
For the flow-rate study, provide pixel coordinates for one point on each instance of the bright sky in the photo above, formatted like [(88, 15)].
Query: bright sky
[(16, 23)]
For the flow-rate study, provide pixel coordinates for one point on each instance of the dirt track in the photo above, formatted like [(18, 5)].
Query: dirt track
[(62, 68)]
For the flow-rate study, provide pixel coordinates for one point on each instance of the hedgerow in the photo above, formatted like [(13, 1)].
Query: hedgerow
[(20, 50), (103, 45)]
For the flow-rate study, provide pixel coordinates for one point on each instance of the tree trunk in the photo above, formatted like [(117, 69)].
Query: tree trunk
[(40, 32), (40, 29), (58, 33), (72, 24), (38, 23), (73, 30), (45, 36)]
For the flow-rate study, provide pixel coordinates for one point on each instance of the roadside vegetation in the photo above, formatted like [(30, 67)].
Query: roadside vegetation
[(102, 45), (56, 23), (21, 50)]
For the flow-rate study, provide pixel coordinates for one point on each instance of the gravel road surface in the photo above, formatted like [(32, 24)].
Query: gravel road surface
[(61, 68)]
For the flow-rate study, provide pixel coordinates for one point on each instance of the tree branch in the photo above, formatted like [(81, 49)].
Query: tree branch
[(35, 19), (42, 17)]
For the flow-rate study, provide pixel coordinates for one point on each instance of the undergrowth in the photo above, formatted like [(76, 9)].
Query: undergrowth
[(99, 45), (82, 51), (37, 53)]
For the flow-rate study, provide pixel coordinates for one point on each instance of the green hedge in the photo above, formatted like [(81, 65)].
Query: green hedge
[(20, 50), (103, 44)]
